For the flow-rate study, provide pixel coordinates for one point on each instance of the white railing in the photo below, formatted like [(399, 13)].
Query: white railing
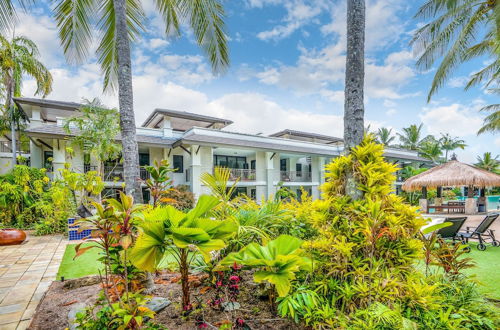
[(295, 176)]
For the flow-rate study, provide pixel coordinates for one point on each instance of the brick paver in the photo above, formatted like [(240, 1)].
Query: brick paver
[(26, 272)]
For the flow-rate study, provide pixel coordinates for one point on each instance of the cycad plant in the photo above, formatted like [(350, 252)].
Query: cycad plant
[(183, 235), (219, 186), (19, 57), (119, 24)]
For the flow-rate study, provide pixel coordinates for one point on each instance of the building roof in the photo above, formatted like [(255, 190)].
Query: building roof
[(53, 129), (188, 120), (307, 135), (453, 174), (62, 105), (213, 137)]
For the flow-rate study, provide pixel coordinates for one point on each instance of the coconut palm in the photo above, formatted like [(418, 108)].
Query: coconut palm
[(411, 137), (431, 149), (492, 122), (460, 30), (19, 57), (488, 162), (120, 22), (449, 143), (354, 108), (384, 136)]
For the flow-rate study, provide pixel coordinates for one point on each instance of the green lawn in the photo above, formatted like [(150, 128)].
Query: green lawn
[(487, 271), (87, 264)]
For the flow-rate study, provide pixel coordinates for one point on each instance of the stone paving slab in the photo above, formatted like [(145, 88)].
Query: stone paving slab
[(26, 272)]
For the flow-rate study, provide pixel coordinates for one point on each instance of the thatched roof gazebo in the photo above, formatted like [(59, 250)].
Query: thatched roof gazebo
[(453, 174)]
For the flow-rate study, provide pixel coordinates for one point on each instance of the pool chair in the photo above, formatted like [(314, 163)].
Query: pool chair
[(451, 232), (481, 233)]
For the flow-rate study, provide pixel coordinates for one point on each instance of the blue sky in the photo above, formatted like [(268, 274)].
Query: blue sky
[(287, 71)]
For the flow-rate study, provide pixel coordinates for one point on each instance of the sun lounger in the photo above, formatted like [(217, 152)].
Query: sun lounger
[(481, 233)]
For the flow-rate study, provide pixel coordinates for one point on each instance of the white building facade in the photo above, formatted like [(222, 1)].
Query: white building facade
[(193, 144)]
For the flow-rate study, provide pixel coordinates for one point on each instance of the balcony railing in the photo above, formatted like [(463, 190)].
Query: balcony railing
[(114, 173), (241, 174), (295, 176)]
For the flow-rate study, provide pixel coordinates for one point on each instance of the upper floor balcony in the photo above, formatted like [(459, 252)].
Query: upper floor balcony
[(114, 173), (6, 147), (295, 176)]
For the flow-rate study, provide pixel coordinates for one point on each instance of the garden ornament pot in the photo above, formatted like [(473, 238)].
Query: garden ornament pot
[(11, 236)]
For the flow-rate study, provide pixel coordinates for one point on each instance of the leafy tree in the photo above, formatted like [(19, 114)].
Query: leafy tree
[(354, 108), (19, 58), (460, 30), (120, 23), (98, 127), (488, 162), (166, 229), (411, 137), (384, 136), (449, 143)]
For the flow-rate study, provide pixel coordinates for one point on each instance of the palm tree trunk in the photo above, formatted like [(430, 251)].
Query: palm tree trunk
[(126, 101), (354, 85), (10, 107)]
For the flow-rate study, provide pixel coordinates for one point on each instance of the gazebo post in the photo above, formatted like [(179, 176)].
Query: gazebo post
[(423, 202), (470, 202), (439, 196)]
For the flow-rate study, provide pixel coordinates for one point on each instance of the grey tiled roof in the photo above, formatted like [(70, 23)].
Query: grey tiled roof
[(185, 115), (307, 147), (48, 103), (306, 135), (58, 130)]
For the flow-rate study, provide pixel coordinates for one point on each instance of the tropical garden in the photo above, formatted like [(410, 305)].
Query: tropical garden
[(355, 259)]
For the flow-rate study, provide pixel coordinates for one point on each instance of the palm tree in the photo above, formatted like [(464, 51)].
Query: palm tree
[(120, 22), (449, 143), (488, 162), (354, 108), (453, 36), (411, 137), (492, 122), (384, 136), (431, 149), (20, 57)]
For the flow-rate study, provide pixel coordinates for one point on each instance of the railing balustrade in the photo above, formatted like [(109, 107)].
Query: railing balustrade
[(295, 176)]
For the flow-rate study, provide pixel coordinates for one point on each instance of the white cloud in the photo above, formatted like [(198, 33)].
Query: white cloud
[(157, 43), (497, 142), (456, 119), (391, 112)]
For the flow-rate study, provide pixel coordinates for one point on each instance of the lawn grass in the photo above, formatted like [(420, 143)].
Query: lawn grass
[(87, 264), (487, 270)]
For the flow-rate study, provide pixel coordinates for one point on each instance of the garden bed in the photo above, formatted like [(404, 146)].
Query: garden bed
[(52, 312)]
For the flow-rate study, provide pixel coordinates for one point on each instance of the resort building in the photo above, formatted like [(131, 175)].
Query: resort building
[(193, 144)]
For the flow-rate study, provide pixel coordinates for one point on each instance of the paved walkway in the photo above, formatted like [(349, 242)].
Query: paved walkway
[(26, 272)]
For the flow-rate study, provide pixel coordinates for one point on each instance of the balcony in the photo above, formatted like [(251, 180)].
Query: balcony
[(6, 146), (295, 176), (241, 174)]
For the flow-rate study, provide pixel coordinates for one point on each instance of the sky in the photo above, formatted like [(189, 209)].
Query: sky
[(287, 71)]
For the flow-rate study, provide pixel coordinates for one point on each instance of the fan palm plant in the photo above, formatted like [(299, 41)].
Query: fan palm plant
[(449, 143), (120, 23), (19, 57), (488, 162), (411, 137), (384, 136), (184, 235), (460, 30)]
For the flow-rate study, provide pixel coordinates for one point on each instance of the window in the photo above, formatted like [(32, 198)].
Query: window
[(239, 191), (143, 159), (282, 165), (178, 163), (253, 194), (47, 160), (253, 164), (298, 167), (230, 161)]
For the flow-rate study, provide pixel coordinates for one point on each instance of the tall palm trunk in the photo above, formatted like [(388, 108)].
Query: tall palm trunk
[(10, 107), (354, 84), (126, 101)]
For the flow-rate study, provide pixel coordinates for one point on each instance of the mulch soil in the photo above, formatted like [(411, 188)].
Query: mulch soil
[(255, 310)]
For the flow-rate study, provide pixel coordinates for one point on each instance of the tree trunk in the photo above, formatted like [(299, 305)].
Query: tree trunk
[(184, 270), (9, 105), (354, 85), (126, 101)]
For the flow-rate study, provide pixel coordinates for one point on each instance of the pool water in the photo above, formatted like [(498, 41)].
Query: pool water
[(493, 202)]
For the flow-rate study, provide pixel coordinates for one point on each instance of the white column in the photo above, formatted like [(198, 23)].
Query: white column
[(195, 168), (59, 150), (167, 127), (77, 161), (155, 154), (36, 155), (315, 167), (271, 171)]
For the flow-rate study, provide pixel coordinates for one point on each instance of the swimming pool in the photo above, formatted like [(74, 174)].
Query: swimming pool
[(493, 202)]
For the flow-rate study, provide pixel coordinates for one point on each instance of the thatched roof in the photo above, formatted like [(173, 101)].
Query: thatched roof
[(452, 174)]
